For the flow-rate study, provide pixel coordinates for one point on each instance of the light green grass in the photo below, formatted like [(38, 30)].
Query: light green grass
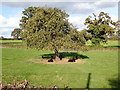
[(10, 41), (103, 65), (112, 43), (109, 43)]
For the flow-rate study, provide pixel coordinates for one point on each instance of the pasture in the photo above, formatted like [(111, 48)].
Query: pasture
[(102, 64)]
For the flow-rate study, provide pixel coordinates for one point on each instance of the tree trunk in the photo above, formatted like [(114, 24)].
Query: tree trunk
[(17, 37), (56, 54)]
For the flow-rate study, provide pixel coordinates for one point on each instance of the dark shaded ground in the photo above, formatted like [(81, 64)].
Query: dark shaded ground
[(66, 54), (114, 83), (111, 46)]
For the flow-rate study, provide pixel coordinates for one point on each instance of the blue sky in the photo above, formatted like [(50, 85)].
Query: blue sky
[(11, 12)]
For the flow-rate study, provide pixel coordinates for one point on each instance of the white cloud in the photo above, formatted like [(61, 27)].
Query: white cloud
[(7, 25), (55, 0), (105, 3), (77, 21), (114, 18), (47, 0), (9, 22), (71, 7), (3, 30), (82, 8), (6, 32)]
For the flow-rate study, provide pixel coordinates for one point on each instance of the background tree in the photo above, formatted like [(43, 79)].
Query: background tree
[(48, 28), (86, 35), (118, 29), (2, 38), (100, 27), (16, 33)]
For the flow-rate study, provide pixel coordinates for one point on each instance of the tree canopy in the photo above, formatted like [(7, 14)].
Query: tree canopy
[(48, 28), (84, 34), (100, 27), (16, 33)]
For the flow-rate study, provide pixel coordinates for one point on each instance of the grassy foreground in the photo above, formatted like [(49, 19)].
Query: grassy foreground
[(103, 66)]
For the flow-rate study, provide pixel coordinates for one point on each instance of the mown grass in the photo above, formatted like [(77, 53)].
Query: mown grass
[(108, 43), (103, 66), (10, 41)]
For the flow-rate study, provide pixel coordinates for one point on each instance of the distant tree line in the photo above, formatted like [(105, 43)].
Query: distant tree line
[(4, 38)]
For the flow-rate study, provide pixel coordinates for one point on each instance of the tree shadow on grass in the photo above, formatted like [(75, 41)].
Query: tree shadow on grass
[(114, 83), (66, 54), (112, 46)]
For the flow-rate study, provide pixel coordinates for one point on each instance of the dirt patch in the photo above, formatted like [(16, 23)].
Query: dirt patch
[(63, 61)]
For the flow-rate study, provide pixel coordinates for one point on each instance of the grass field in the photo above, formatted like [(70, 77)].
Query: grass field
[(102, 64), (10, 41), (110, 43), (19, 43)]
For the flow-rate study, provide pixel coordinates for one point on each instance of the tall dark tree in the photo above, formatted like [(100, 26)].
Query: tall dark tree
[(100, 27), (48, 28), (16, 33)]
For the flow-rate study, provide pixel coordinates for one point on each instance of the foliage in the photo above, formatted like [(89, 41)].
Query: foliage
[(85, 35), (16, 33), (118, 29), (27, 13), (48, 28), (1, 38), (100, 27), (114, 37)]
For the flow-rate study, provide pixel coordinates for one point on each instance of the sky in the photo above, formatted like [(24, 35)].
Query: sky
[(78, 10)]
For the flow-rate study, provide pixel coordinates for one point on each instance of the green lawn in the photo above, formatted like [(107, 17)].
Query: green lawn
[(103, 66), (109, 43), (10, 41)]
